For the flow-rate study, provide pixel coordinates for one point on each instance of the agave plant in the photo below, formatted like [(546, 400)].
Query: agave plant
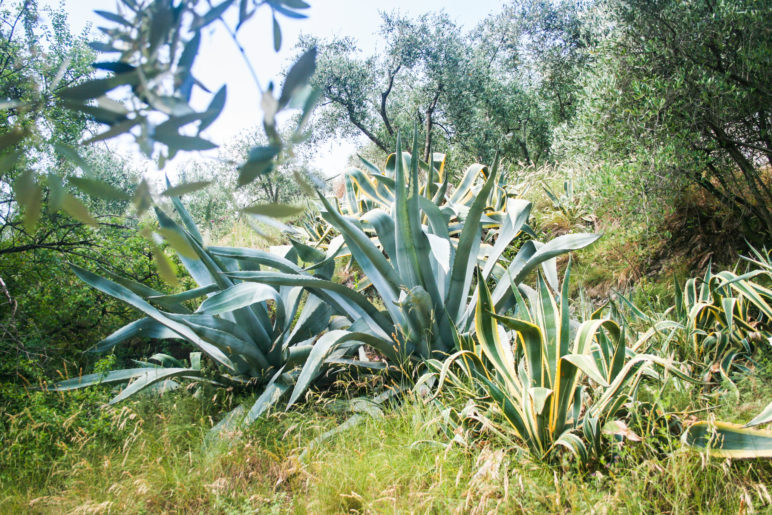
[(254, 334), (373, 188), (555, 385), (421, 274), (370, 188), (717, 319)]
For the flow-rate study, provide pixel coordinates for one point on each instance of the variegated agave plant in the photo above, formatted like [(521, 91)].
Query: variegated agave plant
[(718, 320), (421, 273), (255, 335), (556, 383)]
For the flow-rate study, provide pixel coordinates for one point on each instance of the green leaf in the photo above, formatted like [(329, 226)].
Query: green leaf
[(10, 104), (178, 242), (214, 109), (272, 393), (29, 195), (726, 440), (115, 130), (466, 254), (124, 294), (12, 138), (72, 156), (75, 208), (344, 299), (97, 87), (179, 142), (142, 328), (276, 35), (239, 296), (55, 192), (142, 198), (211, 15), (274, 210), (116, 376), (189, 53), (765, 417), (150, 377), (259, 162), (298, 75), (166, 269), (321, 349), (185, 188), (113, 17), (98, 188)]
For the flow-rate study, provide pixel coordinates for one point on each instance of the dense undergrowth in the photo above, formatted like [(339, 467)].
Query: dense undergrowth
[(151, 456)]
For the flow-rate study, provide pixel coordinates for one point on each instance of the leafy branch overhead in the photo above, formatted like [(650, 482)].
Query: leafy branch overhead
[(146, 79)]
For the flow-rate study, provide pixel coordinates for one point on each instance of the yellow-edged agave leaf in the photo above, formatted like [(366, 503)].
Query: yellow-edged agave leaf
[(725, 440)]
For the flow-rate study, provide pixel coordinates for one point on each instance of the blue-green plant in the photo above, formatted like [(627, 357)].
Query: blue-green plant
[(253, 334), (421, 273)]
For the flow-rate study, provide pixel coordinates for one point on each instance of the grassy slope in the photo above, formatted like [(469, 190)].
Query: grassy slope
[(150, 459)]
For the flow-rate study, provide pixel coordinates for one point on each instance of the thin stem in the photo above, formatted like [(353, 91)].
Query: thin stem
[(243, 56)]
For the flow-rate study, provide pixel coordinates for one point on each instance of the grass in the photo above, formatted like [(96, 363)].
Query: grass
[(398, 463)]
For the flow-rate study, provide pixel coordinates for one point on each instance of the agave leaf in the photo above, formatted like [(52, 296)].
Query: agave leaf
[(468, 246), (229, 337), (124, 294), (367, 255), (273, 391), (176, 298), (490, 341), (530, 257), (574, 444), (345, 300), (116, 376), (144, 328), (314, 362), (727, 440), (150, 377), (187, 220), (765, 417), (518, 211), (239, 296), (384, 228)]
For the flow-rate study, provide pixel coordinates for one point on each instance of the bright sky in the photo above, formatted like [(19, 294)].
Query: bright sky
[(220, 63)]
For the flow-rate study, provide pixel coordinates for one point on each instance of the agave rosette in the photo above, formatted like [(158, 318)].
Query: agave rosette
[(421, 274), (254, 334)]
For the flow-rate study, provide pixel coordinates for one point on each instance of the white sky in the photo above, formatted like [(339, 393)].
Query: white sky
[(220, 63)]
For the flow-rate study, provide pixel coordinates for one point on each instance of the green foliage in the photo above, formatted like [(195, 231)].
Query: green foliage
[(157, 46), (465, 89), (423, 275), (718, 322), (37, 430), (219, 202), (654, 94)]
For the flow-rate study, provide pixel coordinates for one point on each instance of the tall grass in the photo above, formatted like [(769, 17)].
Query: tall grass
[(397, 463)]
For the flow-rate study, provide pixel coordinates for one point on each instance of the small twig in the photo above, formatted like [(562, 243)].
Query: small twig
[(243, 56)]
